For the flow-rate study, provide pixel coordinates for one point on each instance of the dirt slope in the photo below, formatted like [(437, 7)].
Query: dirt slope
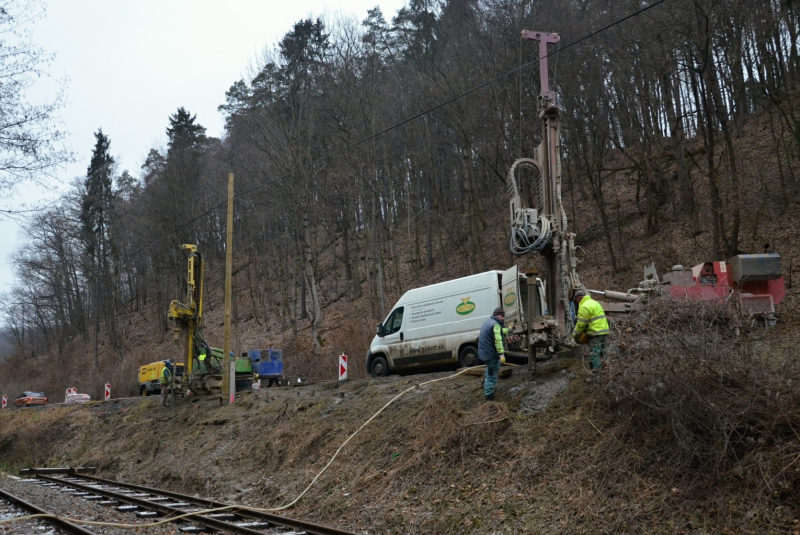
[(547, 457)]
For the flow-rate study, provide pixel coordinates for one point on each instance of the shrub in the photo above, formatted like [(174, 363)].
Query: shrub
[(710, 389)]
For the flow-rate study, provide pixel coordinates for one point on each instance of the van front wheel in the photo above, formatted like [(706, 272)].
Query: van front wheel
[(379, 367), (468, 357)]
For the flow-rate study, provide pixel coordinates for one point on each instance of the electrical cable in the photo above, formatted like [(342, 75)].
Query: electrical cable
[(273, 509), (453, 99), (407, 120), (529, 246), (121, 525), (398, 396)]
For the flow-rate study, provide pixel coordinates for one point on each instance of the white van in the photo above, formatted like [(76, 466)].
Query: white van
[(438, 325)]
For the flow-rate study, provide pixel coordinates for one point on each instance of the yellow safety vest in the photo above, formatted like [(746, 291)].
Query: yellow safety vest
[(165, 376), (591, 319)]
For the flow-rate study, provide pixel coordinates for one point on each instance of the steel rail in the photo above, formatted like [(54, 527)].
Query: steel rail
[(161, 508), (309, 527), (69, 527), (241, 511), (62, 470)]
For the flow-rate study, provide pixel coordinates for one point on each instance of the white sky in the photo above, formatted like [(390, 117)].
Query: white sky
[(130, 64)]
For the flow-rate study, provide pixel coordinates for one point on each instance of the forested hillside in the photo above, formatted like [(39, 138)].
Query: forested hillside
[(370, 157)]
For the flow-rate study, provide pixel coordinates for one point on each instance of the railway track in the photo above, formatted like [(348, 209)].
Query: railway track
[(19, 507), (200, 515)]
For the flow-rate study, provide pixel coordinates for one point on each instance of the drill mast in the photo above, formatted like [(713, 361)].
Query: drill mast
[(188, 317), (543, 228)]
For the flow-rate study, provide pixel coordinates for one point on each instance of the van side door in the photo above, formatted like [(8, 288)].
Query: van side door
[(393, 334), (510, 296)]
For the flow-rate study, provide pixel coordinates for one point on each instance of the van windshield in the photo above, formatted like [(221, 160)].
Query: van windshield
[(394, 322)]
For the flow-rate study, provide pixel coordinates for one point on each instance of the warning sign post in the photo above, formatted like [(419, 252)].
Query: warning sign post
[(342, 367)]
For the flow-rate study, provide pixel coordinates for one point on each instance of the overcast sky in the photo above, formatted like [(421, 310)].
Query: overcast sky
[(130, 64)]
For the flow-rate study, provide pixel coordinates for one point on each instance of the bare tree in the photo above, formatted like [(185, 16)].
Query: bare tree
[(31, 146)]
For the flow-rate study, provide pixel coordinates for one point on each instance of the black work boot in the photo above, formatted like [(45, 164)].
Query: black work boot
[(490, 397)]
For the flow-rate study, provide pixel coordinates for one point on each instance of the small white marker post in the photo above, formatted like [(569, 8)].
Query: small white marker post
[(108, 392), (5, 401), (342, 367)]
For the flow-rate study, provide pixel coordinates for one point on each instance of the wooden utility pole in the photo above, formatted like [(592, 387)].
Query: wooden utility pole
[(228, 364)]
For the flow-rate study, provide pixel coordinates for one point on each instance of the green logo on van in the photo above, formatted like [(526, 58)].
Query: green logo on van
[(510, 298), (466, 307)]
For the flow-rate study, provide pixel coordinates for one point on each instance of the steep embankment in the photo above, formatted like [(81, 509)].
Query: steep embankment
[(439, 460)]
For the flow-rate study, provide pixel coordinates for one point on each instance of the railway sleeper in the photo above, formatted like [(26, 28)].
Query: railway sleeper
[(254, 525), (223, 516), (148, 514)]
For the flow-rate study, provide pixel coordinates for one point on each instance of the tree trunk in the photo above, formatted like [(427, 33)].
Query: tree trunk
[(378, 256)]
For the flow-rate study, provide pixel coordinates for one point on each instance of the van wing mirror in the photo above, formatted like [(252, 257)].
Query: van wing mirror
[(381, 330)]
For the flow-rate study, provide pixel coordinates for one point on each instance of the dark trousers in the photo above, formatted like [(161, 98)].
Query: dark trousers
[(490, 376), (597, 351)]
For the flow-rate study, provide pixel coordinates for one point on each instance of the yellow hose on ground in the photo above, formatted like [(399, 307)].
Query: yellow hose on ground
[(242, 507)]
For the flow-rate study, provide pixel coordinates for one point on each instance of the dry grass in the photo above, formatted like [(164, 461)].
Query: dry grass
[(721, 411), (440, 460)]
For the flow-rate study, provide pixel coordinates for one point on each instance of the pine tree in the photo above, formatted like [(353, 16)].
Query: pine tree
[(98, 199), (187, 140), (96, 216), (184, 133)]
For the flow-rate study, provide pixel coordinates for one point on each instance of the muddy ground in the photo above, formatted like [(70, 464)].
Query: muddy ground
[(438, 460)]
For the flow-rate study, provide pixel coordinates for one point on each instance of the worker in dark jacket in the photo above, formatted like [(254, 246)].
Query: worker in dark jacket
[(491, 350), (166, 382), (591, 327)]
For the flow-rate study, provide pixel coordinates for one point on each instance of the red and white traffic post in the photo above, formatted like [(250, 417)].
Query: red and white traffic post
[(5, 401), (342, 367), (108, 392)]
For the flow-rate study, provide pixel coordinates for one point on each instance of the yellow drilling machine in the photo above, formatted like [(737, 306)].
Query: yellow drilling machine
[(203, 370)]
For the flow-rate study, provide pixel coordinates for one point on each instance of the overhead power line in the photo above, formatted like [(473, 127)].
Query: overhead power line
[(407, 120)]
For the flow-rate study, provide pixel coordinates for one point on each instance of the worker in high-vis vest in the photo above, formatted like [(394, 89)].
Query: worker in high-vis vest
[(591, 327), (491, 350), (202, 355), (166, 382)]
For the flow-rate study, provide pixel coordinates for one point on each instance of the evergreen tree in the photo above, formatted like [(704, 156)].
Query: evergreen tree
[(181, 191), (187, 140), (303, 53), (98, 198), (184, 133), (96, 215)]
